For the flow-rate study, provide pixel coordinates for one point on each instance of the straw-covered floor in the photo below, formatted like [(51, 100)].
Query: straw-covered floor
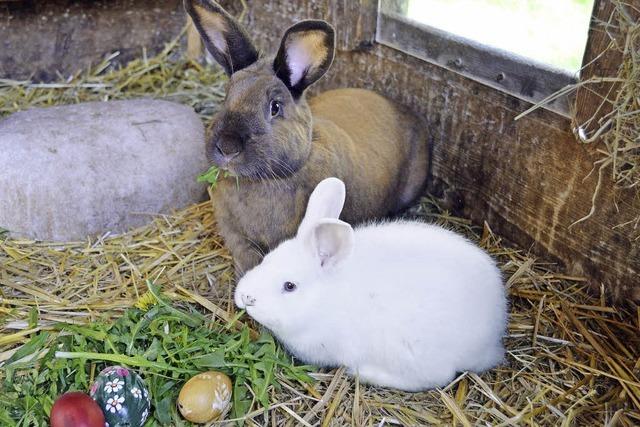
[(573, 359)]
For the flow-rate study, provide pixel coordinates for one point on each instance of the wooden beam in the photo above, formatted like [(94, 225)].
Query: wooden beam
[(497, 68), (530, 179), (39, 39), (602, 58)]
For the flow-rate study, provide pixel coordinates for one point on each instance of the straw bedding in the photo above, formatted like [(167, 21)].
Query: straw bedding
[(573, 359)]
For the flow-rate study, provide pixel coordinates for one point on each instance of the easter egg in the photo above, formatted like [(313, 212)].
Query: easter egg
[(205, 397), (76, 409), (123, 397)]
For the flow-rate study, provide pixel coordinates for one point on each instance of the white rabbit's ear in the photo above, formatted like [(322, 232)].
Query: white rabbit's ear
[(326, 201), (224, 38), (331, 241)]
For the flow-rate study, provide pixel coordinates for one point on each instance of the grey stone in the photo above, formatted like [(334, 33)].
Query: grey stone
[(74, 171)]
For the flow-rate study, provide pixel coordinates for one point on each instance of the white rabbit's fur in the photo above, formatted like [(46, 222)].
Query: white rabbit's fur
[(401, 304)]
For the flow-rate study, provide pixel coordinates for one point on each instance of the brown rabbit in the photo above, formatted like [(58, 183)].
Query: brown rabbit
[(278, 146)]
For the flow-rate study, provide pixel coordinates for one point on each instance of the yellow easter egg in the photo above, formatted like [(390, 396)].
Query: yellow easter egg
[(205, 397)]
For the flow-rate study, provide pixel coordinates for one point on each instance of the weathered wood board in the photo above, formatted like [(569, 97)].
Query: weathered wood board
[(529, 180), (600, 61), (39, 39)]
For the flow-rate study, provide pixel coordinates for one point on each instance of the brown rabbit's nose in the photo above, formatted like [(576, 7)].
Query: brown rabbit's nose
[(229, 147), (227, 155)]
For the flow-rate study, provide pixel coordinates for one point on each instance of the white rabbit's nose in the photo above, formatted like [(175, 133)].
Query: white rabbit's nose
[(248, 300)]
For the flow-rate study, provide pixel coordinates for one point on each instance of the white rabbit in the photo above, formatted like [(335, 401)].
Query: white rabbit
[(401, 304)]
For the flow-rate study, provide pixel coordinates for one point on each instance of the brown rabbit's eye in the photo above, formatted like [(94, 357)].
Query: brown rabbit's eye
[(275, 108), (289, 286)]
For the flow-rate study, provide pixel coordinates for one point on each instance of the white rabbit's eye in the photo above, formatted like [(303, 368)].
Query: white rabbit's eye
[(289, 286), (275, 108)]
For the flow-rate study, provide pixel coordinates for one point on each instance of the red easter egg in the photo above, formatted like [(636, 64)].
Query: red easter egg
[(76, 409)]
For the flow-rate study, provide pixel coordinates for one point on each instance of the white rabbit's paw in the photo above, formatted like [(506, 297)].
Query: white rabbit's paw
[(378, 376)]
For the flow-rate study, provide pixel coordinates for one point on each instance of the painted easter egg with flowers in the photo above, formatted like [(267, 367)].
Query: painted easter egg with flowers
[(123, 397)]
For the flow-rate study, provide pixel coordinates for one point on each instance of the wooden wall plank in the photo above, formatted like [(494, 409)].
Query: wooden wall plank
[(39, 39), (493, 67), (602, 58), (599, 60), (527, 179), (530, 179)]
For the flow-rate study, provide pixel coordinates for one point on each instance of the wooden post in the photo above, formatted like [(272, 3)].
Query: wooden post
[(602, 58)]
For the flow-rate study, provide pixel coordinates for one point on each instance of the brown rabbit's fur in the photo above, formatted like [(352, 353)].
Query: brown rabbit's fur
[(376, 147)]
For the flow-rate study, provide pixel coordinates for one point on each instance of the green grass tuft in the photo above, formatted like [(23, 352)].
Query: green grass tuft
[(166, 345)]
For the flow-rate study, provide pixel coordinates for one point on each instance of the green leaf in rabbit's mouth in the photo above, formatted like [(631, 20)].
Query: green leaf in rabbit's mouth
[(210, 176)]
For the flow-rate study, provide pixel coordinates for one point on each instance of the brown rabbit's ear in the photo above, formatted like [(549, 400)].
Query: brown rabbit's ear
[(305, 54), (223, 36)]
